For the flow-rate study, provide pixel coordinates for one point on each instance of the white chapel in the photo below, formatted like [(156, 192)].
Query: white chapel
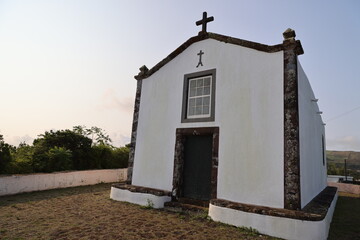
[(234, 126)]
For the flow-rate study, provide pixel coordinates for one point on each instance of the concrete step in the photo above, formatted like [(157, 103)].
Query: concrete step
[(180, 207)]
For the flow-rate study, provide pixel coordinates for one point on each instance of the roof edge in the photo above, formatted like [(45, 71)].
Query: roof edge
[(209, 35)]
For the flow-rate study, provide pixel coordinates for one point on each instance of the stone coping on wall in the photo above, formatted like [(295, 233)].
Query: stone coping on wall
[(315, 210), (222, 38), (139, 189)]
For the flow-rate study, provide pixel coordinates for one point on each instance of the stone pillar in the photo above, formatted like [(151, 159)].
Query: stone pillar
[(139, 78), (292, 191)]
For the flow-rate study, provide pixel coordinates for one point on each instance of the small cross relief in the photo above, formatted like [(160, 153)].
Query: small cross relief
[(200, 61)]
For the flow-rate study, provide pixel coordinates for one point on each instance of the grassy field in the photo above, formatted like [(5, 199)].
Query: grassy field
[(337, 157), (346, 219), (88, 213)]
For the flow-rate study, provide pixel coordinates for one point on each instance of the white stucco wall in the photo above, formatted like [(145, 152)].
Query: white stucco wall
[(312, 170), (248, 111), (44, 181), (143, 199)]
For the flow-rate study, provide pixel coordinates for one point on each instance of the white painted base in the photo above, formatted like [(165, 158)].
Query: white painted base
[(286, 228), (143, 199)]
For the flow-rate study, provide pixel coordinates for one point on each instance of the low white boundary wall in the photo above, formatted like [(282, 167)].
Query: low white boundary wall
[(37, 182), (276, 226)]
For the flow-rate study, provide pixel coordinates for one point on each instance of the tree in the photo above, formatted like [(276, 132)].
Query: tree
[(63, 150), (101, 156), (5, 154), (22, 158), (59, 159), (104, 156), (96, 134), (120, 157), (77, 144)]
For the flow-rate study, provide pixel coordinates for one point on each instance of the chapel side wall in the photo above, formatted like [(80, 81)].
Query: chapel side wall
[(248, 111), (312, 165)]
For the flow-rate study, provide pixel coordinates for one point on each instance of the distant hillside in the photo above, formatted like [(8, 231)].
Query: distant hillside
[(337, 158)]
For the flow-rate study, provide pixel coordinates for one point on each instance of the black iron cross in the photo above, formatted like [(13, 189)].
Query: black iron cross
[(200, 62), (204, 21)]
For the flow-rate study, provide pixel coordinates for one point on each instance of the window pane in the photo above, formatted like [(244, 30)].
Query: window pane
[(206, 110), (192, 102), (199, 91), (191, 111), (199, 97), (206, 90), (198, 101), (207, 81), (198, 110), (206, 101)]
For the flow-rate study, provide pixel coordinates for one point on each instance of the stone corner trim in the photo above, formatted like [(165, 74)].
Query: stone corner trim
[(292, 48), (316, 210), (139, 189), (135, 125)]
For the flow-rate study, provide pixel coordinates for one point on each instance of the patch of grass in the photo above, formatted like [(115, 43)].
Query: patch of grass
[(149, 205), (30, 197), (88, 213), (346, 219), (201, 216), (182, 216), (251, 231)]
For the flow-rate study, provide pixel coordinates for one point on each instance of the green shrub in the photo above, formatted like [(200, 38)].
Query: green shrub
[(59, 159), (19, 166), (63, 150), (104, 156), (5, 155), (22, 160), (101, 156), (120, 158), (79, 145)]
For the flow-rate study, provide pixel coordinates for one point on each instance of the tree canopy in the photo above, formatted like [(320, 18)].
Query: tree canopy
[(78, 149)]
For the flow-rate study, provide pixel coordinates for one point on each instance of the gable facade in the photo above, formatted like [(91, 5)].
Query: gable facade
[(234, 126), (248, 112)]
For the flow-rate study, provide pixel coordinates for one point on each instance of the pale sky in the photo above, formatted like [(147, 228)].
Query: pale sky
[(71, 62)]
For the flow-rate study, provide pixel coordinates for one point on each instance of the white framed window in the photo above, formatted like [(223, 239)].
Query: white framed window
[(199, 97)]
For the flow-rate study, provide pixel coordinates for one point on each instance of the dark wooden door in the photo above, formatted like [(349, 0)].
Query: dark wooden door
[(197, 167)]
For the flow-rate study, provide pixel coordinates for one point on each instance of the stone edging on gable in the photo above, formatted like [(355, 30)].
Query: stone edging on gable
[(221, 38)]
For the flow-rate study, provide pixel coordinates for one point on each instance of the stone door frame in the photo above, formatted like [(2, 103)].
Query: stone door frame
[(181, 134)]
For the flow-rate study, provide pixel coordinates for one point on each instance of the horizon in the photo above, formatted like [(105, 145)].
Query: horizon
[(69, 63)]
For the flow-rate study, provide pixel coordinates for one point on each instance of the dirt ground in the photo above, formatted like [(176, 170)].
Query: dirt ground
[(88, 213)]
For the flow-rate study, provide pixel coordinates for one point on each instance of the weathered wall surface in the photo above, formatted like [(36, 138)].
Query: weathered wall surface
[(248, 111), (37, 182), (312, 154)]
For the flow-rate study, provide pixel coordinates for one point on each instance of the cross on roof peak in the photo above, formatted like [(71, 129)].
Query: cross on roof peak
[(204, 21)]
